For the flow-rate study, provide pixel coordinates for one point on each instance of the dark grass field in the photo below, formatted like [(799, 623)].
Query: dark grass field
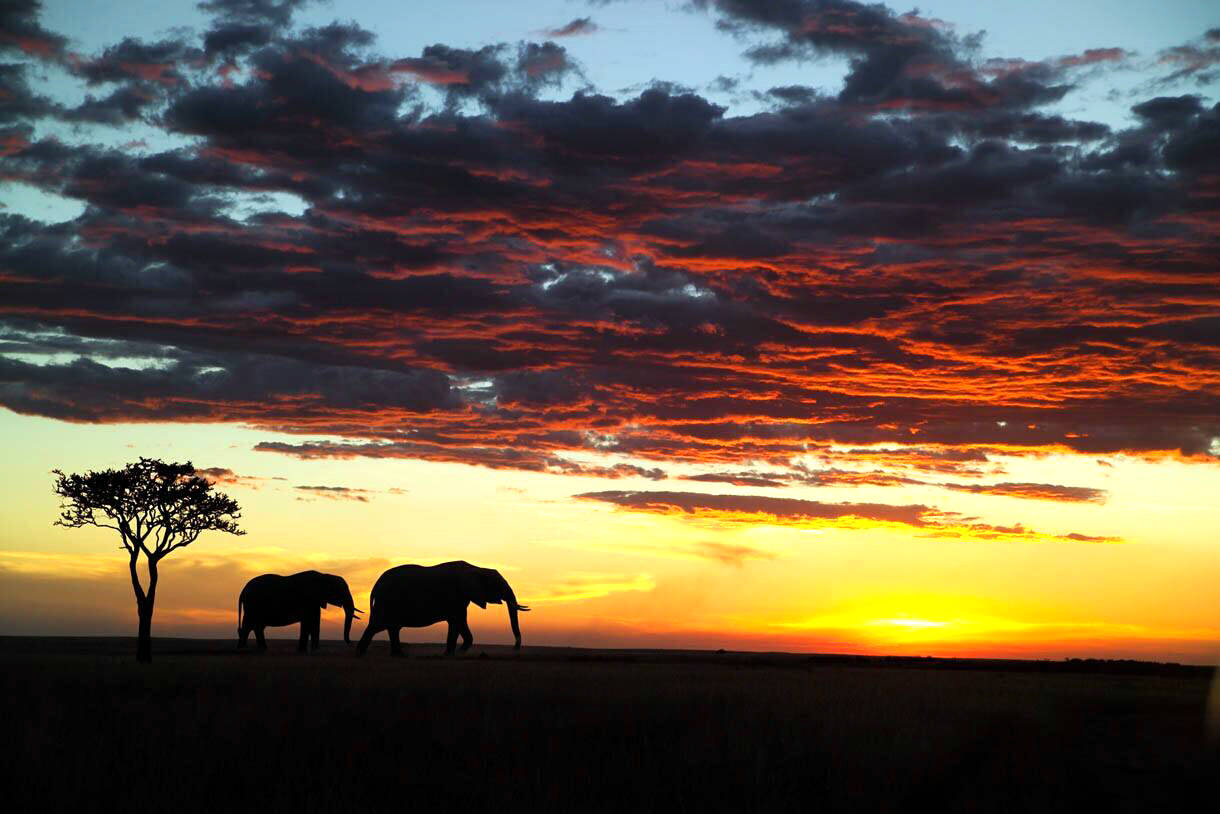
[(205, 728)]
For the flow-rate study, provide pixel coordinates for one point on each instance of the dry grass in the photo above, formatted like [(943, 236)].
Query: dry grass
[(205, 728)]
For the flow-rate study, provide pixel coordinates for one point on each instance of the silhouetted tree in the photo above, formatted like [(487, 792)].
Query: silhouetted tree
[(156, 508)]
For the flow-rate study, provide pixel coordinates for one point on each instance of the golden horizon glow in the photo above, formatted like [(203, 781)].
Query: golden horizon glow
[(601, 575)]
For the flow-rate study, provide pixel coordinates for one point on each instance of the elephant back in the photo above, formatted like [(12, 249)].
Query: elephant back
[(260, 585), (396, 578)]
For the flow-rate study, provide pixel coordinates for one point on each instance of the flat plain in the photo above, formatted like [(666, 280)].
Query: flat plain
[(209, 728)]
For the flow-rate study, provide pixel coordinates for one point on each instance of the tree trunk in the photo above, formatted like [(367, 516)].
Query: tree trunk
[(144, 643), (144, 607)]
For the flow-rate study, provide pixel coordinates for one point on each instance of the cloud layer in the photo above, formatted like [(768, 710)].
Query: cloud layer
[(468, 255)]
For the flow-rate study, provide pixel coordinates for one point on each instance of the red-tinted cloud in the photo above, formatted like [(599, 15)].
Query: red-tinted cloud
[(578, 27), (227, 477)]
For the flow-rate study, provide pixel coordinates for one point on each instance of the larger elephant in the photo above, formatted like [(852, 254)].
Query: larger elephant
[(274, 600), (418, 596)]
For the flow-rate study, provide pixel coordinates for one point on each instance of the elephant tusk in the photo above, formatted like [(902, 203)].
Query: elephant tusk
[(523, 608)]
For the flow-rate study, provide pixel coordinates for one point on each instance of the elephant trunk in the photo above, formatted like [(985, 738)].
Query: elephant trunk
[(512, 620), (511, 601), (349, 613)]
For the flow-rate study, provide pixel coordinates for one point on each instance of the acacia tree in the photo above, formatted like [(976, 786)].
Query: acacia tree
[(156, 508)]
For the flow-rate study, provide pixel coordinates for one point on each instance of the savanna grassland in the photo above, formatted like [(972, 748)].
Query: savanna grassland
[(205, 728)]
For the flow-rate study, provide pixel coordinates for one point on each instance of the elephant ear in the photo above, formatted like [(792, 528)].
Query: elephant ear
[(472, 587), (493, 586)]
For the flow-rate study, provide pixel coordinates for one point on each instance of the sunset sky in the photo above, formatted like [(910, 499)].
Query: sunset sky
[(800, 325)]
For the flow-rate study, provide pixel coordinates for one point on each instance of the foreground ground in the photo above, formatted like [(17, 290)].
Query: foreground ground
[(207, 728)]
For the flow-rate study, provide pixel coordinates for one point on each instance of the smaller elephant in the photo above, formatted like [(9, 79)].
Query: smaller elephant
[(272, 599), (419, 596)]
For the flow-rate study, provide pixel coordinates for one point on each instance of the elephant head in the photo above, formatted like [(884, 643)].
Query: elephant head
[(484, 586), (333, 590)]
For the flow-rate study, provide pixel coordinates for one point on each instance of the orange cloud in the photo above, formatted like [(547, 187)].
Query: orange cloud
[(815, 514)]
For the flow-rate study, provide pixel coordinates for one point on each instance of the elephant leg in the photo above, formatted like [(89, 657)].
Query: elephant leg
[(243, 633), (315, 627), (370, 630), (396, 648), (467, 636), (262, 640), (303, 638), (451, 638)]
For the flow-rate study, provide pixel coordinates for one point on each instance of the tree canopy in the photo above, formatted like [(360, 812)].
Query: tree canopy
[(156, 507)]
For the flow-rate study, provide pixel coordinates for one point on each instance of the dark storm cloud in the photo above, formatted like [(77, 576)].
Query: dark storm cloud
[(21, 103), (230, 38), (472, 71), (490, 72), (1168, 112), (122, 105), (274, 12), (337, 41), (992, 171), (589, 130), (22, 33), (157, 62), (522, 278), (895, 60), (1033, 127), (794, 94), (223, 384), (315, 77), (1195, 147)]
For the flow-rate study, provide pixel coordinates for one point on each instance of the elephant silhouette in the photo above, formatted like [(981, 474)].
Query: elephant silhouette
[(274, 600), (418, 596)]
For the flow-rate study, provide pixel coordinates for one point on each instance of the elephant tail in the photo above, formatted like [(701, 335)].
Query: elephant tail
[(239, 604)]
